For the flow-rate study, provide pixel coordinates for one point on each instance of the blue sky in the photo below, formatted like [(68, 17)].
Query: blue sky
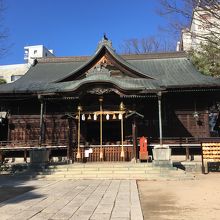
[(74, 27)]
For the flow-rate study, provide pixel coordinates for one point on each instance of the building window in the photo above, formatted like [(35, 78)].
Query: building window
[(1, 77), (35, 51), (15, 77)]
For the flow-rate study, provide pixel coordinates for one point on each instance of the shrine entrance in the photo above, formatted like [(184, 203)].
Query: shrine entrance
[(92, 130), (110, 132)]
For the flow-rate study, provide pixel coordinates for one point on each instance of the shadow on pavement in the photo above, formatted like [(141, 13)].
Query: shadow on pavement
[(15, 188)]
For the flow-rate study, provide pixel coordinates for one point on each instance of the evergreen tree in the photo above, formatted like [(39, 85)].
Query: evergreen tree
[(2, 81), (207, 58)]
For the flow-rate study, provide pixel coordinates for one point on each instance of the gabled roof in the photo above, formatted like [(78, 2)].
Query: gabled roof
[(153, 72), (104, 49)]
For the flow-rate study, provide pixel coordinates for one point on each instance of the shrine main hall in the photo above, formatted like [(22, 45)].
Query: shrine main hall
[(106, 102)]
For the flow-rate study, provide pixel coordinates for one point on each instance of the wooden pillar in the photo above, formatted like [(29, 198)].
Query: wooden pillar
[(187, 150), (78, 155), (25, 156), (122, 109), (101, 148), (134, 137), (70, 157), (122, 138), (1, 156), (41, 120), (160, 118)]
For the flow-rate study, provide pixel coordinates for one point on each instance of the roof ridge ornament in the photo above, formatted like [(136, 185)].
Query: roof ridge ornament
[(104, 42), (105, 37)]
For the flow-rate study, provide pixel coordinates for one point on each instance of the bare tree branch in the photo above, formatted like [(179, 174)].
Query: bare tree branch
[(181, 14), (146, 45)]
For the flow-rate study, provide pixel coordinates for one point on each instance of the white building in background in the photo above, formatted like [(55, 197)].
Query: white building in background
[(13, 72), (203, 24), (38, 51)]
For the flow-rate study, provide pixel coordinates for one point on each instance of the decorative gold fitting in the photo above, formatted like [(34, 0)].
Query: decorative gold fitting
[(122, 153), (78, 155), (122, 106), (101, 154), (79, 108)]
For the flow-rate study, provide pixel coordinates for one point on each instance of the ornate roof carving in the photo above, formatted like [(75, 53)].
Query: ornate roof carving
[(101, 91)]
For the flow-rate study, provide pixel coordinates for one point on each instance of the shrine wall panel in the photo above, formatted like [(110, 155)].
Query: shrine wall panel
[(26, 128)]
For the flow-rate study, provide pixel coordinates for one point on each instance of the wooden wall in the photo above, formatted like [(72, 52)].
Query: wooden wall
[(196, 127), (26, 128), (178, 114)]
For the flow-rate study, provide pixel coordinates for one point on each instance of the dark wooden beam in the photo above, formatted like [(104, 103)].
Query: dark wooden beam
[(70, 157), (25, 156), (41, 120), (134, 137), (1, 156)]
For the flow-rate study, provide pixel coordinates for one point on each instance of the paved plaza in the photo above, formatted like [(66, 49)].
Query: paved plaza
[(73, 199)]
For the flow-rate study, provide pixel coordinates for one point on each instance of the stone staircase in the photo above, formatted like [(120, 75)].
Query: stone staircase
[(106, 170)]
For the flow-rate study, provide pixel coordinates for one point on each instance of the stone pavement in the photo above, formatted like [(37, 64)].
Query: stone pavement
[(75, 199)]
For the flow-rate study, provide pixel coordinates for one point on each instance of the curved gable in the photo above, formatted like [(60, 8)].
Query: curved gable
[(105, 56)]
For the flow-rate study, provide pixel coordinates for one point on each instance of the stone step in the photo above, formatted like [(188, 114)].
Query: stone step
[(102, 176), (101, 165), (117, 176), (80, 171), (97, 168), (105, 170), (102, 170), (162, 175), (178, 175)]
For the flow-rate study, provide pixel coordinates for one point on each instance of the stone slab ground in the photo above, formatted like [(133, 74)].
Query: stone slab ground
[(72, 199), (110, 199)]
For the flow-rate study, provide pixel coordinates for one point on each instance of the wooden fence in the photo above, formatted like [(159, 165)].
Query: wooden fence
[(110, 153)]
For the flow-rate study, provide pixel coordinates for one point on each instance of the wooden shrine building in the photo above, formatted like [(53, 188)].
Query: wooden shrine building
[(106, 102)]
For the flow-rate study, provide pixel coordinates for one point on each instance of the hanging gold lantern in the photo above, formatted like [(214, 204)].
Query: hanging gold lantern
[(114, 116)]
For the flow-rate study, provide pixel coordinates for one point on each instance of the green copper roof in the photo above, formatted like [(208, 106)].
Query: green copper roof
[(125, 84), (153, 73), (175, 72)]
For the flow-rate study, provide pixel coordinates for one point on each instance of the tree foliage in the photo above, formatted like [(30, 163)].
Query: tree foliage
[(207, 58), (3, 81), (205, 15)]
